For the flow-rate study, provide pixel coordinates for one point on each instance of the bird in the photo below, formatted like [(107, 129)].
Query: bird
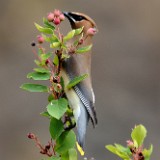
[(81, 97)]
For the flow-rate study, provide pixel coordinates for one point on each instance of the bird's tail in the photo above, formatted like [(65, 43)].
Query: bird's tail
[(82, 123)]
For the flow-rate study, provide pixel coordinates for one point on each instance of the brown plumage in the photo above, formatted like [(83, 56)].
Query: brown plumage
[(81, 97)]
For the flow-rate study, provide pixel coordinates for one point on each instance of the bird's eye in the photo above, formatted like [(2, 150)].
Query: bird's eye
[(77, 17)]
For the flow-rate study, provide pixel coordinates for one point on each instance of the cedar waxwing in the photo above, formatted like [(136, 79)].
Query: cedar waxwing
[(81, 97)]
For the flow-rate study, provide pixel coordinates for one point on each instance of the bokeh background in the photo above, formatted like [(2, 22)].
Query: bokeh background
[(125, 69)]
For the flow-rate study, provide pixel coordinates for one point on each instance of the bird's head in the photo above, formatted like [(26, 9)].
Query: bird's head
[(78, 20)]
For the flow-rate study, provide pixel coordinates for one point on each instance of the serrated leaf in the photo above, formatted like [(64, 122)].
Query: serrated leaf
[(70, 35), (34, 87), (76, 80), (45, 56), (138, 134), (55, 44), (56, 60), (45, 114), (56, 108), (65, 142), (43, 29), (56, 128), (78, 31), (38, 76), (47, 24), (41, 70), (84, 49)]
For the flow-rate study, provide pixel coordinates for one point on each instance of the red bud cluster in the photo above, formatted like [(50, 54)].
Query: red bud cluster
[(56, 17)]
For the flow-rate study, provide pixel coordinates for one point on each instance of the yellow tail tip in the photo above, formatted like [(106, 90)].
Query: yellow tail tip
[(81, 151)]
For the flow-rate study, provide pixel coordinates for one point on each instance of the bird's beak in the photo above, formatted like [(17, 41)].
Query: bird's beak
[(68, 16)]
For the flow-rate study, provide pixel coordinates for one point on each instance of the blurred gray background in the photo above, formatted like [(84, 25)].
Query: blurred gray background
[(125, 69)]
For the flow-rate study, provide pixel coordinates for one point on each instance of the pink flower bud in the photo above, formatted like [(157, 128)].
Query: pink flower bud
[(57, 12), (130, 143), (40, 39), (91, 31), (56, 21), (50, 17), (62, 17)]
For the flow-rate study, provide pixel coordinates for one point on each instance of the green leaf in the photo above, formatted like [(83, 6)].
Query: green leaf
[(56, 128), (55, 60), (34, 87), (76, 80), (65, 56), (138, 134), (65, 156), (56, 108), (45, 114), (51, 39), (45, 56), (38, 76), (84, 49), (51, 97), (47, 24), (78, 31), (43, 29), (53, 158), (70, 35), (38, 63), (41, 70), (116, 151), (123, 149), (65, 142), (55, 44), (62, 83), (40, 51), (54, 38), (147, 152), (71, 154)]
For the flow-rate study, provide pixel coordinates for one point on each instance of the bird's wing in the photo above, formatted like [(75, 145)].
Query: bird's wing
[(76, 66)]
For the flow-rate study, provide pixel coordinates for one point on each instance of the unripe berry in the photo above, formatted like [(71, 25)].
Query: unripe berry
[(56, 21), (62, 17), (40, 39), (91, 31), (50, 17)]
